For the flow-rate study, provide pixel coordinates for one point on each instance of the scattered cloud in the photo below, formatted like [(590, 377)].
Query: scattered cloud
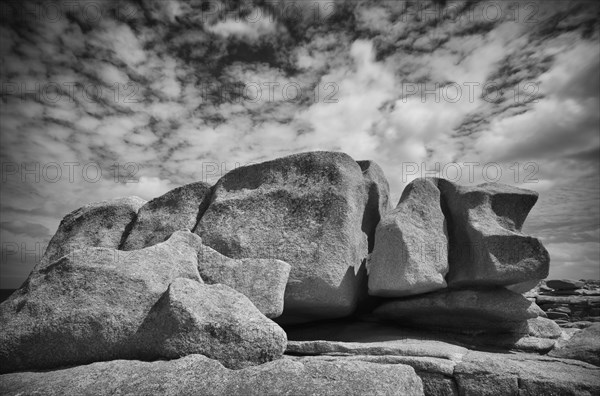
[(144, 96)]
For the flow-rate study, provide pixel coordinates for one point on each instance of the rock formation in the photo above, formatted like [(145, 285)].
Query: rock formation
[(199, 375), (486, 243), (411, 245), (88, 305), (215, 321), (96, 304), (491, 310), (583, 345), (190, 279), (573, 304), (307, 210), (261, 280)]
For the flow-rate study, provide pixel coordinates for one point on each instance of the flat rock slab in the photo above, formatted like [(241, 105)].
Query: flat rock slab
[(178, 209), (407, 347), (411, 244), (583, 345), (583, 300), (263, 281), (491, 310), (433, 365), (198, 375), (488, 373), (482, 373), (537, 335), (564, 284), (98, 224)]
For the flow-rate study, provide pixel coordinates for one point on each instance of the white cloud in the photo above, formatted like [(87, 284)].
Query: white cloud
[(120, 38), (245, 27), (174, 134)]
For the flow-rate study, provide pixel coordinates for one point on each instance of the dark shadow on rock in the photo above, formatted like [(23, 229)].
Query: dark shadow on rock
[(347, 303)]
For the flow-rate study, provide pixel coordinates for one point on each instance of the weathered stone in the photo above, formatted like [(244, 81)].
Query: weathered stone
[(438, 385), (537, 335), (540, 327), (431, 365), (583, 345), (88, 305), (261, 280), (564, 284), (411, 245), (532, 344), (305, 209), (569, 300), (557, 315), (444, 365), (401, 347), (475, 373), (577, 325), (178, 209), (482, 373), (213, 320), (435, 373), (562, 309), (98, 224), (199, 375), (486, 243), (490, 310)]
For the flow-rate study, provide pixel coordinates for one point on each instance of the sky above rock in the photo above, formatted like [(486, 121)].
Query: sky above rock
[(109, 99)]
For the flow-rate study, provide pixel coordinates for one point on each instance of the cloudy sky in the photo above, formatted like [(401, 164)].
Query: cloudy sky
[(109, 99)]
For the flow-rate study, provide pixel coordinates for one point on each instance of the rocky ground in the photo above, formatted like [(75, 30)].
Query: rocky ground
[(298, 277), (570, 303)]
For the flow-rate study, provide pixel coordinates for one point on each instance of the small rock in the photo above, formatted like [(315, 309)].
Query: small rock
[(541, 328), (564, 284), (557, 315), (563, 309), (577, 325), (261, 280), (212, 320)]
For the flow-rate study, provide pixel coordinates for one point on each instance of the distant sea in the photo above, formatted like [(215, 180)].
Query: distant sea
[(4, 293)]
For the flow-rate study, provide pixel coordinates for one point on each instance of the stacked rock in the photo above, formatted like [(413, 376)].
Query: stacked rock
[(571, 303), (103, 304), (203, 270), (130, 279), (464, 248)]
